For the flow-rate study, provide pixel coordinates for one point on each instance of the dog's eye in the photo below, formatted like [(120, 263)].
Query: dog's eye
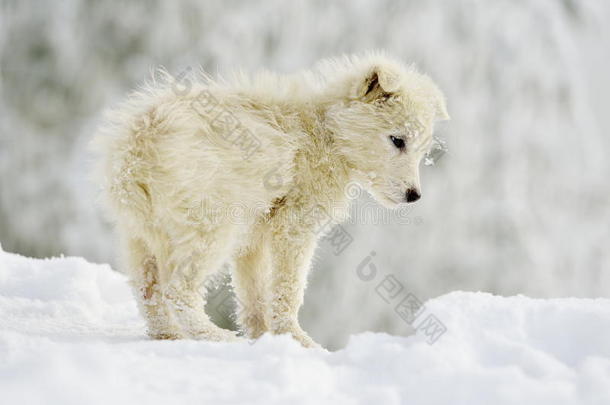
[(398, 142)]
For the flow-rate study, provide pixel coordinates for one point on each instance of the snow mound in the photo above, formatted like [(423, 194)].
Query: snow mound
[(70, 334)]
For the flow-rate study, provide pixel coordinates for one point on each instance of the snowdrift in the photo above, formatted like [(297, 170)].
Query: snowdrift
[(70, 334)]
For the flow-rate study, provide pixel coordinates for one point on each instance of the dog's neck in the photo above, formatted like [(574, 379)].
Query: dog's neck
[(328, 170), (320, 154)]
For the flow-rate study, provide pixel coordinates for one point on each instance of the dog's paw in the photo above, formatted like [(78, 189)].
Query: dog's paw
[(300, 336), (217, 335), (165, 335), (306, 341)]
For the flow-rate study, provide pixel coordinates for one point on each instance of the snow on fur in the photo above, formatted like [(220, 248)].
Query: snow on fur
[(70, 332)]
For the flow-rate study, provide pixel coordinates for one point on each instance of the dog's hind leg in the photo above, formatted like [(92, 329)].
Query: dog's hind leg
[(148, 291), (195, 258)]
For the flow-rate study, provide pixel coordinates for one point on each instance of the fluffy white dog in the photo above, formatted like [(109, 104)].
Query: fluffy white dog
[(253, 170)]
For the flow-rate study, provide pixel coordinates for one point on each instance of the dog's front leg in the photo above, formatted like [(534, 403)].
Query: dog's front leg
[(292, 251)]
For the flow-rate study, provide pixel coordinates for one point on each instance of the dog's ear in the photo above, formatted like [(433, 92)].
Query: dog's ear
[(440, 109), (441, 112), (378, 84)]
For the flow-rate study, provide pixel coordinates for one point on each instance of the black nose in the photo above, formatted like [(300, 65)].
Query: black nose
[(412, 195)]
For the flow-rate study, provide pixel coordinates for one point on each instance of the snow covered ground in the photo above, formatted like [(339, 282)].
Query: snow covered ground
[(70, 334)]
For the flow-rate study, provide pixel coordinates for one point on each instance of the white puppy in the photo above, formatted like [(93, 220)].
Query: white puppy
[(253, 170)]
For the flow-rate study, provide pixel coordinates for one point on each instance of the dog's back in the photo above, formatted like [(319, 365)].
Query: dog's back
[(164, 154)]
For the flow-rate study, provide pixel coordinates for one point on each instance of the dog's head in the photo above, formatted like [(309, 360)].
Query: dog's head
[(384, 125)]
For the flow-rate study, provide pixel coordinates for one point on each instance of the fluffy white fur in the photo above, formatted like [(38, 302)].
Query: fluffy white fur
[(189, 192)]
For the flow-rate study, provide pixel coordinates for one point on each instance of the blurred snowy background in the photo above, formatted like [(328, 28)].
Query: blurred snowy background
[(519, 204)]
